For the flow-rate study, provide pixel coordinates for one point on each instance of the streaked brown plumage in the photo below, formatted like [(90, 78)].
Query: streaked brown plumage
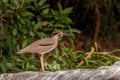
[(43, 46), (40, 46)]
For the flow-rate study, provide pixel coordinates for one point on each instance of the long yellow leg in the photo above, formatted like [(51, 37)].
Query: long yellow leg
[(42, 62)]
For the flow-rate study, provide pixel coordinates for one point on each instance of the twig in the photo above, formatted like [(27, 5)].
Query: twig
[(89, 54), (97, 23), (117, 50)]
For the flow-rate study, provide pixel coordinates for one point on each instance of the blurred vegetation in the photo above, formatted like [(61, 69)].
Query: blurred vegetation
[(24, 21)]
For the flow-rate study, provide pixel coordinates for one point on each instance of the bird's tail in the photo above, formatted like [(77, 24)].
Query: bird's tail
[(19, 52)]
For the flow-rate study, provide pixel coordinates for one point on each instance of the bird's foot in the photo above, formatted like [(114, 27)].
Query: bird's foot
[(45, 71)]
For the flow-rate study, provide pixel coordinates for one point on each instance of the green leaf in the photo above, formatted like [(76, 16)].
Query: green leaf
[(28, 14), (10, 65), (75, 30), (22, 21), (54, 13), (67, 20), (67, 10), (31, 67), (45, 11), (59, 25), (24, 43), (32, 34), (8, 11), (3, 64), (41, 2), (44, 6), (5, 1), (60, 7), (24, 31), (41, 34), (38, 26), (16, 1), (14, 31)]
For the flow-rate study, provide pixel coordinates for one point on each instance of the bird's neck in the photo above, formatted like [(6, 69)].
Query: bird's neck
[(55, 37)]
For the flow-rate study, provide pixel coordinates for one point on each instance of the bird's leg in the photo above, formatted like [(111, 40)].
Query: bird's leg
[(42, 62)]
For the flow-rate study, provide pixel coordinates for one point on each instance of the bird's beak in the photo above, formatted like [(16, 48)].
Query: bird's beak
[(66, 34)]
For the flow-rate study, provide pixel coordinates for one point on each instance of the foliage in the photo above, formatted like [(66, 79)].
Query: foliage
[(23, 22), (67, 58)]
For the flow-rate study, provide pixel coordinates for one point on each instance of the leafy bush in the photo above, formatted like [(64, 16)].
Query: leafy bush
[(66, 58), (23, 22)]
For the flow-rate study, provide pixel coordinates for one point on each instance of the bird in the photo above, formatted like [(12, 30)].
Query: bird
[(43, 46)]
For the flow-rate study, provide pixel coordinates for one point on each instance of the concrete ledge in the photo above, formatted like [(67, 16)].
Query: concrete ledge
[(102, 73)]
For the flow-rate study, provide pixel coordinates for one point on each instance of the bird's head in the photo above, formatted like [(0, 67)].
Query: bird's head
[(59, 33)]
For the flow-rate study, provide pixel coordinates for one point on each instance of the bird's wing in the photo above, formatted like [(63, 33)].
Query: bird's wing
[(38, 45), (44, 42)]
